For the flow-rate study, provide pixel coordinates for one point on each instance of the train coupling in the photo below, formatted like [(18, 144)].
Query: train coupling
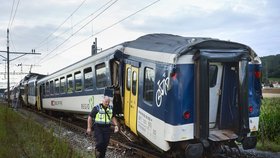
[(249, 142), (194, 150)]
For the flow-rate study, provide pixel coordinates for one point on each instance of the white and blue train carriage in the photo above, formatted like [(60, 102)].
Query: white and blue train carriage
[(191, 93), (32, 92), (183, 95), (27, 88), (80, 86)]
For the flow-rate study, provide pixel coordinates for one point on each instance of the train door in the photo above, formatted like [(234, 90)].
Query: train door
[(131, 97), (38, 97), (215, 77)]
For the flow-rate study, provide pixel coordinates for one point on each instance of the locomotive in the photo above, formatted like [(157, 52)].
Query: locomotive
[(184, 95)]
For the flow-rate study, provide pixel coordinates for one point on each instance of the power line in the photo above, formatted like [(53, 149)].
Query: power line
[(104, 29), (15, 13), (79, 29), (44, 40), (11, 14), (79, 22)]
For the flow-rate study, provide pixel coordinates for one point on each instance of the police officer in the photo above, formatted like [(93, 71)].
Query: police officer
[(103, 117)]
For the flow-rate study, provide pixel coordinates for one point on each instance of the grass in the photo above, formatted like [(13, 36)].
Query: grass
[(274, 79), (268, 146), (23, 138), (269, 134)]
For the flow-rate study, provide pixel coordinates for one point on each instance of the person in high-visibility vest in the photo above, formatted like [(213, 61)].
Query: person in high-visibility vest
[(102, 117)]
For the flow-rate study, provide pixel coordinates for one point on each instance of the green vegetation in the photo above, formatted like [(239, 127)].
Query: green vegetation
[(274, 79), (270, 68), (269, 135), (21, 137)]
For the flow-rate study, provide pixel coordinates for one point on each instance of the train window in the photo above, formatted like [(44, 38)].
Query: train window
[(56, 90), (134, 83), (47, 88), (149, 82), (88, 78), (78, 81), (30, 89), (128, 78), (69, 83), (213, 72), (51, 87), (43, 90), (100, 71), (63, 85), (114, 71)]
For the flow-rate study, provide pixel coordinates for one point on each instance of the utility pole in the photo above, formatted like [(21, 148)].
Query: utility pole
[(8, 62), (8, 67), (94, 48)]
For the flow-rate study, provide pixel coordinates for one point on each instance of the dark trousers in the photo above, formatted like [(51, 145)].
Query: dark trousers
[(102, 138)]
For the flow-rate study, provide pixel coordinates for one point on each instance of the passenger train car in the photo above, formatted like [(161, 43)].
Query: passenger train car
[(181, 94), (27, 88)]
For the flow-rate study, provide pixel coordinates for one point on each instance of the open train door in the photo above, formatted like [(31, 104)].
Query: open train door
[(131, 96), (215, 78), (235, 80)]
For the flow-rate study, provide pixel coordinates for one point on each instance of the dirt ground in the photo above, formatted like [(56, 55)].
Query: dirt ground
[(271, 92)]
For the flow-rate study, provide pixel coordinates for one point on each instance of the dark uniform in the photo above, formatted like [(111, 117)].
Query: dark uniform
[(102, 117)]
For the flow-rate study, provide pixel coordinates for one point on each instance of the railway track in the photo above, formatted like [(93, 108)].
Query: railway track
[(122, 144), (117, 141)]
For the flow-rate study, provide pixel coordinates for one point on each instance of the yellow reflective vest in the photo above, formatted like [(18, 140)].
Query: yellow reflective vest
[(104, 117)]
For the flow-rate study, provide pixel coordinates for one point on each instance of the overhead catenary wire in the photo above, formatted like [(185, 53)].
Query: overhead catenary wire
[(112, 25), (79, 22), (11, 14), (12, 18), (14, 15), (46, 39), (79, 29)]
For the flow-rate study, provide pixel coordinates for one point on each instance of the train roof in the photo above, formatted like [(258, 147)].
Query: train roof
[(152, 47), (82, 63), (174, 44)]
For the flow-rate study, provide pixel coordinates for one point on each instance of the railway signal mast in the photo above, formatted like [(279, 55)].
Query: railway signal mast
[(8, 62)]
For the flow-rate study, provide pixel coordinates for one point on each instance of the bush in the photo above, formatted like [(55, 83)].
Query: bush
[(21, 137), (270, 120)]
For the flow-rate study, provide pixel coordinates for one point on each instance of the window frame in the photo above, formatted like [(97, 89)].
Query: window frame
[(148, 71), (101, 67), (51, 87), (128, 78), (213, 76), (56, 86), (69, 88), (134, 83), (47, 88), (62, 89), (78, 80), (88, 78)]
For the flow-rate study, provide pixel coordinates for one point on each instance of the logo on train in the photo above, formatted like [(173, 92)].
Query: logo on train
[(54, 103), (163, 86)]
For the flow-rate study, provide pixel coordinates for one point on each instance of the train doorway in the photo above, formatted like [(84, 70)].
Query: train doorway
[(215, 77), (233, 100), (131, 97)]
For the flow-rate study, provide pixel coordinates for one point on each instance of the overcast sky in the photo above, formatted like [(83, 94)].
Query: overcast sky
[(64, 35)]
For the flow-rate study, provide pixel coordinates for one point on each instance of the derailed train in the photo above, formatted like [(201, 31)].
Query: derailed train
[(183, 95)]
